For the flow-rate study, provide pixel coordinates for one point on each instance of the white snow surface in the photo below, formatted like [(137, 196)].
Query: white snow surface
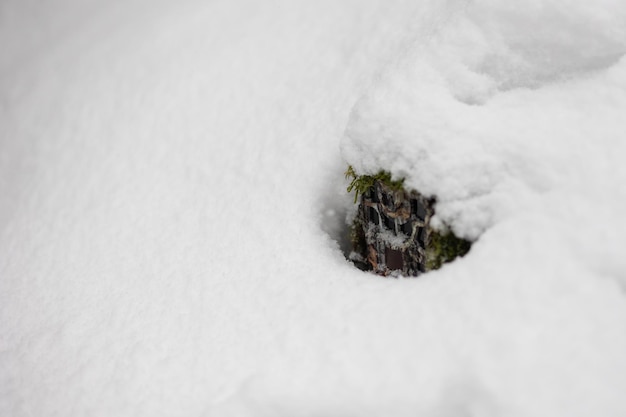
[(172, 205)]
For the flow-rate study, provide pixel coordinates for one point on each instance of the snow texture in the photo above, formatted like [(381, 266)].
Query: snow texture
[(172, 207)]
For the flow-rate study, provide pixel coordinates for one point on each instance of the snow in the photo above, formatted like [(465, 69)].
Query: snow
[(173, 204)]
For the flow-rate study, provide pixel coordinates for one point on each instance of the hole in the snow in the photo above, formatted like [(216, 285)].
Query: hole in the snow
[(390, 233), (334, 224)]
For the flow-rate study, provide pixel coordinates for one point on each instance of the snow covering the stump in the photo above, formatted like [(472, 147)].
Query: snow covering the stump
[(172, 205)]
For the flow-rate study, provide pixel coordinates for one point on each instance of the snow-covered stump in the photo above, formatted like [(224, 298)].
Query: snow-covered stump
[(391, 233), (391, 229)]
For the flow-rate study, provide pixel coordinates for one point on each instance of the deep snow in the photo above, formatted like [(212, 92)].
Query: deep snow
[(172, 203)]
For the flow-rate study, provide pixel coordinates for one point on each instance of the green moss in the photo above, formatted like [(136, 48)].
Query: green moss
[(361, 183), (444, 247)]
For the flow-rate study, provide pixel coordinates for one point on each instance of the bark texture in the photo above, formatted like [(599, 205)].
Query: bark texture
[(391, 233)]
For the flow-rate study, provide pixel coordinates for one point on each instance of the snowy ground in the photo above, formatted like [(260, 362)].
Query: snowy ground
[(171, 207)]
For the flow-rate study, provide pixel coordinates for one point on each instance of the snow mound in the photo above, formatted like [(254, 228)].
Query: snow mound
[(494, 118), (170, 173), (511, 115)]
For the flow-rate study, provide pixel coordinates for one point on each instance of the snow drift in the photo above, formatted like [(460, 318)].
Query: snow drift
[(146, 267)]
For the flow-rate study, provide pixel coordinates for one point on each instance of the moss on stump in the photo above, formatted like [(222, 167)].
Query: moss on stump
[(391, 234)]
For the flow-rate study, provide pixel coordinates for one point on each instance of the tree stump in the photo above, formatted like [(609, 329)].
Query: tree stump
[(391, 233)]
